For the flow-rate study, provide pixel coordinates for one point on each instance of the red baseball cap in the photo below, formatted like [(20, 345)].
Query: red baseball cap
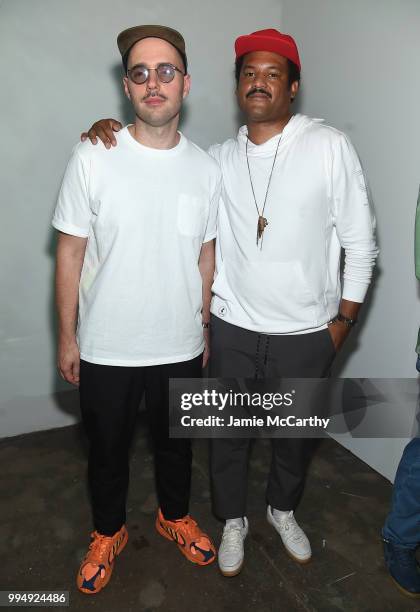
[(268, 40)]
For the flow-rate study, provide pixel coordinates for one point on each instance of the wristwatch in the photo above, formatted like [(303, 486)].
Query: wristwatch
[(205, 325), (343, 319)]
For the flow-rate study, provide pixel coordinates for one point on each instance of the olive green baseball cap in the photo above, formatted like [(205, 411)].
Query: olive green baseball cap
[(128, 38)]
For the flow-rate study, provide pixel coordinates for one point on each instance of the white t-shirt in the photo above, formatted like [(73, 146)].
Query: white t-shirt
[(146, 213), (317, 204)]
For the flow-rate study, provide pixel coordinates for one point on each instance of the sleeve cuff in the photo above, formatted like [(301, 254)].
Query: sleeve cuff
[(68, 228), (354, 291)]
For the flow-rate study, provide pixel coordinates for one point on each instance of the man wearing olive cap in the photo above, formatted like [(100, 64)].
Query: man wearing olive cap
[(293, 195), (135, 260)]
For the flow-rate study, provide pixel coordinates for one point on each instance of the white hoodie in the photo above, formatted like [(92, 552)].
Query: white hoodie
[(317, 203)]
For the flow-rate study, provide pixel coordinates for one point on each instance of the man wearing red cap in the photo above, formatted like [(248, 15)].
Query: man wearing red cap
[(293, 195)]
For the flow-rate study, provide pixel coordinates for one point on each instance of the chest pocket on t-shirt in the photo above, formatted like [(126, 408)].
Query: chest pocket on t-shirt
[(190, 215)]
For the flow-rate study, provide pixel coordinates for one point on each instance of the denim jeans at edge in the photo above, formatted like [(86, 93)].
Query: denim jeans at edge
[(402, 525)]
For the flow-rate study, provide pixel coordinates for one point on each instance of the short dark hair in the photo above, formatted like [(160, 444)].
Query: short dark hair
[(294, 72), (126, 56)]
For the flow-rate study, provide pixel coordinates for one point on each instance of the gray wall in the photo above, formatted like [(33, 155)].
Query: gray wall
[(361, 66), (59, 70)]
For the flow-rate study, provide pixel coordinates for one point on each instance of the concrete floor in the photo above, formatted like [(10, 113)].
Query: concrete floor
[(45, 525)]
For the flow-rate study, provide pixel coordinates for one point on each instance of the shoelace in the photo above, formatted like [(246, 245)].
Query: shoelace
[(99, 547), (232, 537), (289, 524), (191, 527)]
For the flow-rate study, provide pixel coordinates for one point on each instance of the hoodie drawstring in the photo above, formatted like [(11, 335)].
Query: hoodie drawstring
[(260, 370)]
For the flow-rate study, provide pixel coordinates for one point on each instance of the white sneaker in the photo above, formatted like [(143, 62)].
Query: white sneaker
[(231, 551), (293, 537)]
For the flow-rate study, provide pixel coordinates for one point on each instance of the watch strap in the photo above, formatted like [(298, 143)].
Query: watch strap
[(346, 320)]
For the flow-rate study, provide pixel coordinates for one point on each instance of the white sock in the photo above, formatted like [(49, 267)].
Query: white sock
[(279, 515), (238, 522)]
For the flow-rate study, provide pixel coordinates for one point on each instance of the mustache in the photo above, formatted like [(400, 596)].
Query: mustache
[(259, 90), (153, 94)]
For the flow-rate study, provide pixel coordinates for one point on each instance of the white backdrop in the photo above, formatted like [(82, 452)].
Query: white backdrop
[(60, 70)]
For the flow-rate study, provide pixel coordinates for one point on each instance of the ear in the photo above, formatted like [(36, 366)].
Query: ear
[(294, 87), (187, 86), (126, 89)]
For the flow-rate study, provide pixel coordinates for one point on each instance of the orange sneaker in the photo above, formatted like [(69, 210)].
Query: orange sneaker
[(192, 542), (96, 568)]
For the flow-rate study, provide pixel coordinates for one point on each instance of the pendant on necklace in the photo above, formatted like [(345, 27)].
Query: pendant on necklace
[(262, 224)]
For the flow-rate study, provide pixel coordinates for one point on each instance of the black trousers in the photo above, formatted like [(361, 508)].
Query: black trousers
[(240, 353), (109, 399)]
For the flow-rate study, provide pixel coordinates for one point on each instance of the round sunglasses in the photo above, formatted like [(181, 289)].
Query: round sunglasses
[(165, 73)]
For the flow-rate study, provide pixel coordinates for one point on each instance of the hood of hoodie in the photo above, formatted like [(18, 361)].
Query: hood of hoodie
[(296, 125)]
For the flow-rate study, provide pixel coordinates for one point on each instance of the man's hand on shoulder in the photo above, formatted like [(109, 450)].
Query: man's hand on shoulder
[(104, 130), (68, 361)]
